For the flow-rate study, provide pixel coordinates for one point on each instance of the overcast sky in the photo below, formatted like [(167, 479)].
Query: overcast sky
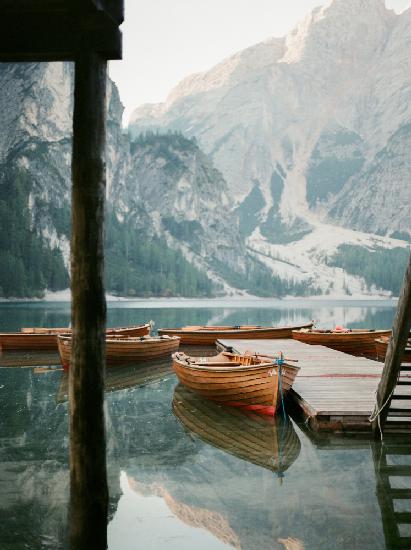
[(166, 40)]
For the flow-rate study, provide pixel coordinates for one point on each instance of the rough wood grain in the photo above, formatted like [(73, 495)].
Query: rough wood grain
[(395, 351), (88, 477), (334, 391)]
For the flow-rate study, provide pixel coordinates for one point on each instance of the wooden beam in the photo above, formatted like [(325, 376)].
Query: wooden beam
[(88, 477), (113, 8), (54, 30), (396, 347)]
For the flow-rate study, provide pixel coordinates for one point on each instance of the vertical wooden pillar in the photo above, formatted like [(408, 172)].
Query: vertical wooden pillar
[(396, 347), (88, 476)]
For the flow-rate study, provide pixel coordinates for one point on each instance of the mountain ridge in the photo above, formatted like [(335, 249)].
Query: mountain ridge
[(317, 132)]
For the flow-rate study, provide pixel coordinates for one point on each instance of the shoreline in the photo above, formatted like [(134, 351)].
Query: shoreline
[(239, 300)]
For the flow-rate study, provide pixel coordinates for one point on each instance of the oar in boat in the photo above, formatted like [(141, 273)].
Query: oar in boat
[(281, 356)]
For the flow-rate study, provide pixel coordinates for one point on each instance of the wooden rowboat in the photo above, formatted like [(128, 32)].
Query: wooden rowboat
[(33, 342), (268, 442), (381, 345), (135, 330), (46, 338), (249, 381), (202, 335), (125, 349), (354, 342)]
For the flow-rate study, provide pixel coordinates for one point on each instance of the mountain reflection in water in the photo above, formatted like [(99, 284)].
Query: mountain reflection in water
[(211, 490)]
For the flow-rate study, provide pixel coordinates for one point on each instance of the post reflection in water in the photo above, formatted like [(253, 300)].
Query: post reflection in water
[(392, 462), (122, 377)]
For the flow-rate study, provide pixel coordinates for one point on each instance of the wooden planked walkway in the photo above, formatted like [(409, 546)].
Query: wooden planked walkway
[(334, 391)]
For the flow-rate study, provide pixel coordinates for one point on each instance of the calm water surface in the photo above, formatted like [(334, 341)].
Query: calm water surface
[(186, 474)]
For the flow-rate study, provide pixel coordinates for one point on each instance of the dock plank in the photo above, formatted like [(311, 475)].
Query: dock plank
[(334, 390)]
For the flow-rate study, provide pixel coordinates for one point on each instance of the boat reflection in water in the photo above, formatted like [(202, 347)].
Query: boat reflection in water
[(266, 441), (126, 376), (227, 485), (11, 358)]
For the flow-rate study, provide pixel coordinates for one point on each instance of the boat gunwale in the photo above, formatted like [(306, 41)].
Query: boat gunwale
[(69, 330), (208, 367), (209, 331), (128, 339), (359, 332)]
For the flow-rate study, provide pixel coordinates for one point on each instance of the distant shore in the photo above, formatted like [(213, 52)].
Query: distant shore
[(244, 300)]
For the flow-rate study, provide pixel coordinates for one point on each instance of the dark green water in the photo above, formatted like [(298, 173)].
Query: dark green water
[(195, 478)]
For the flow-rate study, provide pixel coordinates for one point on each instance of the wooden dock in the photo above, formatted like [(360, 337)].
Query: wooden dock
[(333, 390)]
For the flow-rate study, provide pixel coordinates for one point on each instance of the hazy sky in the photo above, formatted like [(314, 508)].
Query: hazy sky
[(166, 40)]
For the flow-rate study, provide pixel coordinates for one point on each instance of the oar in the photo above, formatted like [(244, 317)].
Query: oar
[(270, 356)]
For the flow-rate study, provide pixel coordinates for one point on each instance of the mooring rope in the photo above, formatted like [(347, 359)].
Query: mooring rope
[(376, 413)]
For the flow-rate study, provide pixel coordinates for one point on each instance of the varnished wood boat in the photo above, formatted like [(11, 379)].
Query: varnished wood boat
[(249, 381), (268, 442), (46, 338), (135, 330), (33, 342), (381, 345), (122, 349), (354, 342), (203, 335)]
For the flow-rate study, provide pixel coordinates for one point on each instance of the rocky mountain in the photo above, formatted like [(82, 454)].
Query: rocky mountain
[(284, 170), (312, 133), (167, 228), (35, 186)]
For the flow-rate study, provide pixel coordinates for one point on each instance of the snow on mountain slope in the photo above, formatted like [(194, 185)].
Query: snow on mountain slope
[(305, 260)]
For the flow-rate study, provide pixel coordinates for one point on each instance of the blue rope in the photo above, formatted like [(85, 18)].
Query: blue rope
[(280, 362)]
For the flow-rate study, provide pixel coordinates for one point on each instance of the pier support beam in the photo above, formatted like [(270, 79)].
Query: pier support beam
[(88, 477), (396, 347)]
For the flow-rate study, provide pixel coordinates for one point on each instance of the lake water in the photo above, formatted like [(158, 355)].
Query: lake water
[(183, 473)]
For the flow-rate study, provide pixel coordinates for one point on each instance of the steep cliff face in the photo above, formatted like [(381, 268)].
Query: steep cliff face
[(36, 107), (185, 198), (161, 190), (322, 104)]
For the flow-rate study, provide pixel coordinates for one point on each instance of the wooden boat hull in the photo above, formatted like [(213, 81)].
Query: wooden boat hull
[(135, 330), (254, 387), (46, 338), (209, 335), (381, 346), (355, 342), (269, 443), (20, 340), (123, 350)]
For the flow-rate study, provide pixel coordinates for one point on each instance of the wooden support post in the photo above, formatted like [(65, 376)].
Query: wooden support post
[(396, 346), (88, 476)]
